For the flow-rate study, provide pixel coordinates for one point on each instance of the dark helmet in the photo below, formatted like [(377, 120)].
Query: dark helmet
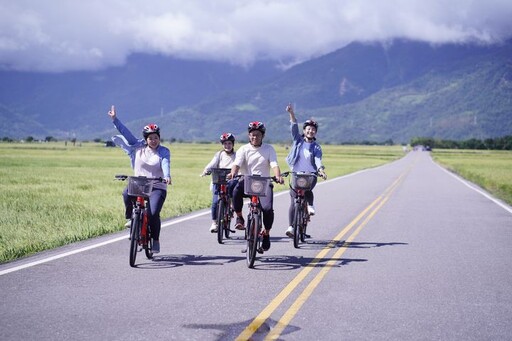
[(150, 129), (256, 125), (310, 123), (227, 137)]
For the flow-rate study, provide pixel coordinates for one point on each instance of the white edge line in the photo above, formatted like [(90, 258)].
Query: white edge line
[(471, 186), (116, 239)]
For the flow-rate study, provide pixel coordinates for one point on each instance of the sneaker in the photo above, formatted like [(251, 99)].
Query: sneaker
[(290, 231), (156, 246), (265, 244), (128, 223), (214, 227), (311, 210), (240, 223)]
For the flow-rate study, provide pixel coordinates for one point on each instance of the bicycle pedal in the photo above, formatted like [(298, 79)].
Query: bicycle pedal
[(232, 231), (260, 250)]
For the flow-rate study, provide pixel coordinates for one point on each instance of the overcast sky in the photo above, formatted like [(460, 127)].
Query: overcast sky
[(64, 35)]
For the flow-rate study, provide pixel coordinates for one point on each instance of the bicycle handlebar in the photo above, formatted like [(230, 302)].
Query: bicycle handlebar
[(122, 177)]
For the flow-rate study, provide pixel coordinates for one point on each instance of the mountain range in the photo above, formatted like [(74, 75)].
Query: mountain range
[(362, 92)]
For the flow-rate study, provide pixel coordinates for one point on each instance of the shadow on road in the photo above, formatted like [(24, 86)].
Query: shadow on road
[(320, 244), (172, 261), (226, 330)]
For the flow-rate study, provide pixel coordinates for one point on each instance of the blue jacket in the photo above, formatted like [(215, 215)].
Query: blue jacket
[(298, 140), (130, 144)]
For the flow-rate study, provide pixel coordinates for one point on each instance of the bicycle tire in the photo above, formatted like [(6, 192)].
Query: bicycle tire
[(134, 238), (220, 220), (252, 240), (304, 225), (227, 224), (297, 224), (148, 247)]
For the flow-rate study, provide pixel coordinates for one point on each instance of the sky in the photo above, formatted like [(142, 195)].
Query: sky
[(74, 35)]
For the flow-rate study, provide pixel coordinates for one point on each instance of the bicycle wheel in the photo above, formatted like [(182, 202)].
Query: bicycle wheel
[(227, 224), (297, 224), (221, 221), (148, 246), (134, 238), (304, 226), (252, 239)]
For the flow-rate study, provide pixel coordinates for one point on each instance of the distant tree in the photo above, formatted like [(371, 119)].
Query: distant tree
[(97, 140), (29, 139), (50, 139)]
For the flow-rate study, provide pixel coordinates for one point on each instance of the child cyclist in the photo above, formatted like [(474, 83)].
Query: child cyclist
[(222, 159), (305, 156)]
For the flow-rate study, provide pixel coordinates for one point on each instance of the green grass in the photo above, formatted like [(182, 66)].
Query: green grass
[(491, 170), (54, 194)]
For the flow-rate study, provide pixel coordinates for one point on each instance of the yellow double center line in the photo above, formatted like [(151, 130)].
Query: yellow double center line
[(275, 332)]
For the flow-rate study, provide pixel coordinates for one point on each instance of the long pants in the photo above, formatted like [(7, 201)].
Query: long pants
[(308, 195), (266, 202), (156, 201)]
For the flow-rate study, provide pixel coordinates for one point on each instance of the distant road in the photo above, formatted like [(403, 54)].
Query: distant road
[(405, 251)]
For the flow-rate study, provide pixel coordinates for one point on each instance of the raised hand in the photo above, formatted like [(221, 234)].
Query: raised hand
[(112, 112)]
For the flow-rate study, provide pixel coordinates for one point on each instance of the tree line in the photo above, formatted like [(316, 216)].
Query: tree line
[(499, 143)]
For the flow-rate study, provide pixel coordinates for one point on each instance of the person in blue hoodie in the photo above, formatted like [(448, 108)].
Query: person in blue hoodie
[(305, 156), (150, 159)]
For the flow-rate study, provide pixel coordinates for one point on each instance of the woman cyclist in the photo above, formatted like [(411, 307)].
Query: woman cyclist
[(222, 159), (150, 159), (305, 156), (256, 158)]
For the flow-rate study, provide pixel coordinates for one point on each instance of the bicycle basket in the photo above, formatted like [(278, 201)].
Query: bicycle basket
[(302, 181), (219, 175), (256, 185), (139, 186)]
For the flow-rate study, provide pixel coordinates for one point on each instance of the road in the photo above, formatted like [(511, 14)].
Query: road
[(406, 251)]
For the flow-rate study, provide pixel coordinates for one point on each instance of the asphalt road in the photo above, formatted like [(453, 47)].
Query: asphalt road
[(406, 251)]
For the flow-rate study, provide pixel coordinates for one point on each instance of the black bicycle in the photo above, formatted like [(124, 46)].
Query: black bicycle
[(139, 190), (224, 207), (255, 186), (300, 183)]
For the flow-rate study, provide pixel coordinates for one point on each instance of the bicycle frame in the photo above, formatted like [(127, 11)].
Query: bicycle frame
[(253, 231)]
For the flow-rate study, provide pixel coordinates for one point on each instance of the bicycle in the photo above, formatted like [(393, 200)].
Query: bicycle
[(300, 183), (139, 189), (224, 207), (255, 186)]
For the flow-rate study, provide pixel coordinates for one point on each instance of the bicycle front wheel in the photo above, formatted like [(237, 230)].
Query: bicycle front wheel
[(221, 220), (134, 238), (148, 245), (252, 239), (297, 224)]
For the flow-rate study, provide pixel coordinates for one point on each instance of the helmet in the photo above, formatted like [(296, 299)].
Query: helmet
[(227, 137), (256, 125), (310, 123), (150, 129)]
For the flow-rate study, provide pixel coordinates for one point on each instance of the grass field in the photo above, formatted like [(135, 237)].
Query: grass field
[(492, 170), (54, 194)]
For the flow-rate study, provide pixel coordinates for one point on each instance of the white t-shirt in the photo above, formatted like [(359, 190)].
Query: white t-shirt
[(147, 163), (256, 160)]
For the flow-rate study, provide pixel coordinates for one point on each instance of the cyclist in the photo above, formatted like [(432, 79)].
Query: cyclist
[(222, 159), (305, 156), (256, 158), (148, 158)]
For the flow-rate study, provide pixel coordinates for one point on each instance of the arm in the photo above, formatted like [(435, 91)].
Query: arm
[(166, 164), (211, 164), (130, 138), (294, 127)]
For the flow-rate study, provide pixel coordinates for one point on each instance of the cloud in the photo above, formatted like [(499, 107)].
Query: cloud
[(53, 36)]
